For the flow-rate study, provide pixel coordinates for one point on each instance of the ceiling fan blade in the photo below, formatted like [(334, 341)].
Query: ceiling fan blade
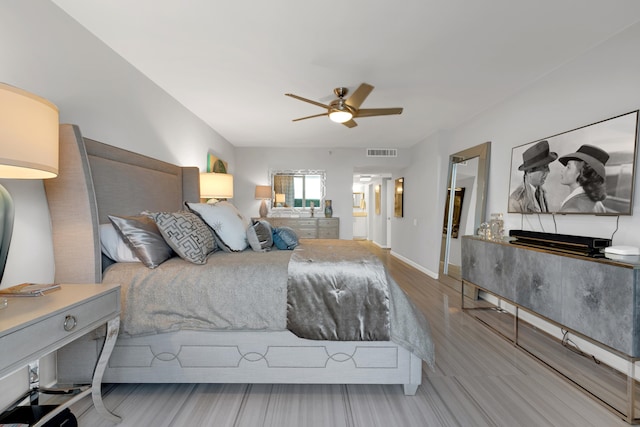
[(369, 112), (310, 117), (357, 98), (350, 123), (307, 100)]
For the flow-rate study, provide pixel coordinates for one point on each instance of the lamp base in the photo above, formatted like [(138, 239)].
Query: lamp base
[(263, 209), (6, 226)]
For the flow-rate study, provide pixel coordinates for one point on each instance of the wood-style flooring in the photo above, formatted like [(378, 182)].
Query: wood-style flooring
[(479, 380)]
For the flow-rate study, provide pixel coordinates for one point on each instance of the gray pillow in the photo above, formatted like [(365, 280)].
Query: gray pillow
[(260, 236), (187, 235), (141, 234), (113, 246)]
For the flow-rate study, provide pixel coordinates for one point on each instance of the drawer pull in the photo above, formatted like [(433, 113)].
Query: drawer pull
[(70, 322)]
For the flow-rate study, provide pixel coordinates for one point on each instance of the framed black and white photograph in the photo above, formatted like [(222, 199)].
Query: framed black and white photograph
[(589, 170)]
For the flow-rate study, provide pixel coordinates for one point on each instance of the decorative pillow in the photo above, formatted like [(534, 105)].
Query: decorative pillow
[(227, 223), (285, 238), (113, 246), (260, 236), (187, 235), (141, 234)]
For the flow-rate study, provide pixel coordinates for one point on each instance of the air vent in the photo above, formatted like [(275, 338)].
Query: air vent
[(382, 152)]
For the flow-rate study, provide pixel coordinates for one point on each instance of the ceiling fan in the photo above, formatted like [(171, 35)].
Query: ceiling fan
[(343, 110)]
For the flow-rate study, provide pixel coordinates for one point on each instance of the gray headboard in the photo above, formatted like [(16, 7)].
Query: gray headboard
[(96, 180)]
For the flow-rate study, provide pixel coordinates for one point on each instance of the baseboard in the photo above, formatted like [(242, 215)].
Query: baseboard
[(379, 245), (415, 265)]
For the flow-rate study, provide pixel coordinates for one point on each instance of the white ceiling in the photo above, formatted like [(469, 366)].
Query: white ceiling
[(444, 61)]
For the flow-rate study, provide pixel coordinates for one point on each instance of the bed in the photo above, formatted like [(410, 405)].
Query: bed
[(97, 180)]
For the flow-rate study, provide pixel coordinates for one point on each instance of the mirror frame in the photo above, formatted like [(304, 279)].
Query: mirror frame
[(323, 185), (483, 153)]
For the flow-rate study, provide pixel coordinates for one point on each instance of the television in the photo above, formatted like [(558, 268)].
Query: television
[(589, 170)]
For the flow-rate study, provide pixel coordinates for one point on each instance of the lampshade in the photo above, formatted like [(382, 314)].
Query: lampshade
[(263, 192), (216, 185), (28, 149), (28, 135), (280, 198)]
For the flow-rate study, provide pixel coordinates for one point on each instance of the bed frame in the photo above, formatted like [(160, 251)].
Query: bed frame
[(96, 180)]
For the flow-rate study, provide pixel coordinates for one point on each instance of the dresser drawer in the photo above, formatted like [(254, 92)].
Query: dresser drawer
[(328, 222), (328, 233), (306, 233), (49, 330)]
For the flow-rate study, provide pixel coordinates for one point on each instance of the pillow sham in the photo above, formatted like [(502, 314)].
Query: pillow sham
[(260, 236), (113, 246), (285, 238), (228, 224), (187, 235), (141, 234)]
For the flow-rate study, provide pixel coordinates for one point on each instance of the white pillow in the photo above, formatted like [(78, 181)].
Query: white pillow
[(113, 246), (228, 224)]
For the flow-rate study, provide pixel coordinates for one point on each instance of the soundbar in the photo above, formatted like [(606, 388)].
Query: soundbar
[(566, 243)]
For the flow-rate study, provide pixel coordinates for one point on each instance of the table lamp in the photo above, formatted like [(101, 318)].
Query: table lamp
[(263, 192), (218, 186), (29, 132)]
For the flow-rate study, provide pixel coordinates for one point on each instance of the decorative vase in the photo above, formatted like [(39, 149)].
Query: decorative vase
[(328, 210)]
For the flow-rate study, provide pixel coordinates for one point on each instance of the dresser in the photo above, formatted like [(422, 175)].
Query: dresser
[(310, 228), (32, 327), (593, 299)]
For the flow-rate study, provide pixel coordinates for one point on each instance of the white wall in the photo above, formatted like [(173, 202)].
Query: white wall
[(45, 52), (600, 84), (253, 165)]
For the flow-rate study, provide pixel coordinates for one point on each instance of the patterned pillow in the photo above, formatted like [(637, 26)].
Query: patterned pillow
[(187, 235), (260, 236), (143, 237), (228, 224), (285, 238)]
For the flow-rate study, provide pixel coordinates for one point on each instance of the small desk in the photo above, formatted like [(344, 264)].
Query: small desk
[(32, 327)]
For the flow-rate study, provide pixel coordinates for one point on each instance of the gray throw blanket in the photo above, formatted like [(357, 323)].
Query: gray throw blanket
[(337, 290)]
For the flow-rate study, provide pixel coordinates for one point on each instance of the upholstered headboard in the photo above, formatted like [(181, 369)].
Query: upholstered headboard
[(96, 180)]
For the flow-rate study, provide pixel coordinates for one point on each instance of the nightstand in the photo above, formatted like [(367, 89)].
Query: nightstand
[(32, 327)]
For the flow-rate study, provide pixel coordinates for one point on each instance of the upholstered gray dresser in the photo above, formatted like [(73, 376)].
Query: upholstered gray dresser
[(594, 299)]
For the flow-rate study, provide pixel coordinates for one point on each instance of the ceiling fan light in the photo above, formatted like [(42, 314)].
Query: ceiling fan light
[(340, 116)]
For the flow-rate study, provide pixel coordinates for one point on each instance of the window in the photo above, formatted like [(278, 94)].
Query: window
[(298, 189)]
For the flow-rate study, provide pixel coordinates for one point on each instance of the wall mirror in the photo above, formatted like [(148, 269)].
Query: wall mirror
[(398, 198), (468, 175), (298, 189), (358, 200)]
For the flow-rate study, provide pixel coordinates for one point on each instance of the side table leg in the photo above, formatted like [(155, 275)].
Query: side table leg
[(113, 326)]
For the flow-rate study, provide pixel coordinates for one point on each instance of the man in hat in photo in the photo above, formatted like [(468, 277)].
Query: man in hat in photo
[(530, 196), (584, 174)]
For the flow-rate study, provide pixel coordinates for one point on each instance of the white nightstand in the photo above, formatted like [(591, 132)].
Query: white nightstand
[(32, 327)]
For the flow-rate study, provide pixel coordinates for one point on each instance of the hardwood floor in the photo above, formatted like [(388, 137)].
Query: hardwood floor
[(479, 380)]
